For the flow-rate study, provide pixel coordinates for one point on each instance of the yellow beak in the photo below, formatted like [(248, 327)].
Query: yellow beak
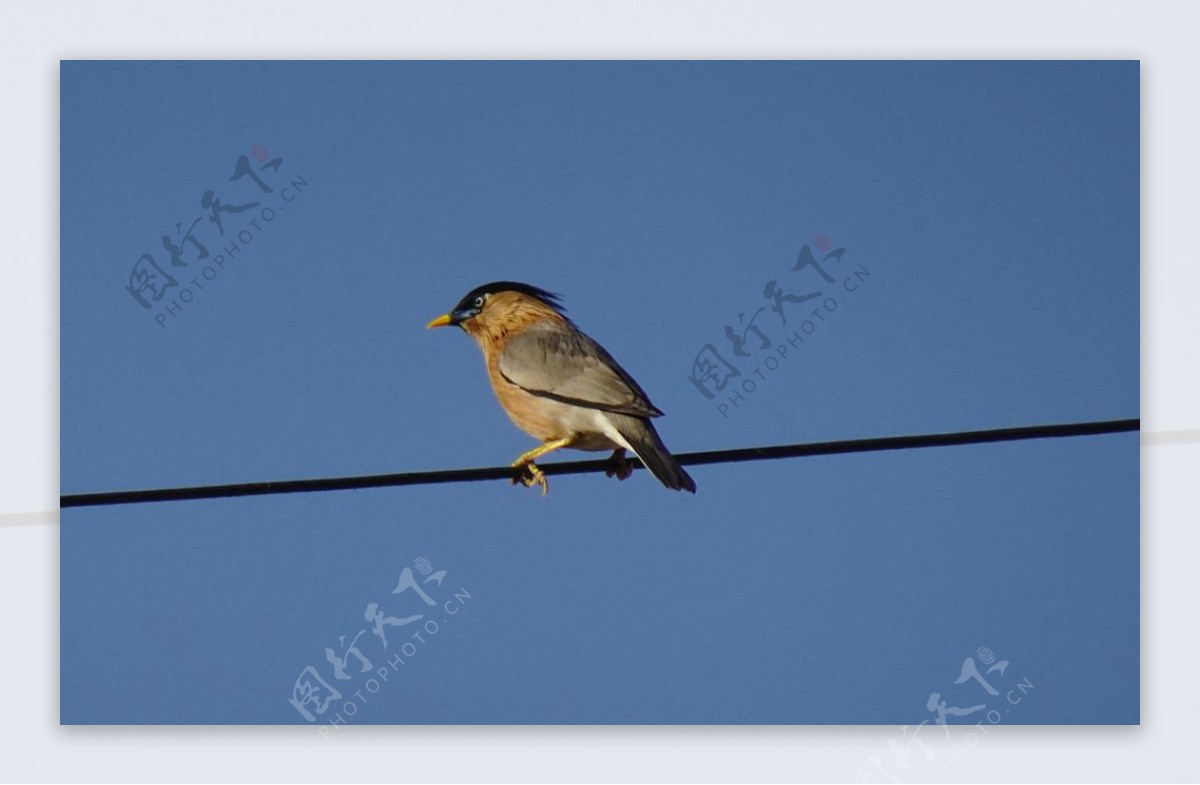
[(441, 321)]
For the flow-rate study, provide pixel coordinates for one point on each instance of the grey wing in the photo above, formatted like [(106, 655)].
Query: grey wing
[(555, 360)]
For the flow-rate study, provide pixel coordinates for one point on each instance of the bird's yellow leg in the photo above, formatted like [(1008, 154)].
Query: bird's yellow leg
[(534, 475), (542, 449)]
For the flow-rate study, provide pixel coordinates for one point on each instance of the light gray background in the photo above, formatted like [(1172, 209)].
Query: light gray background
[(33, 38)]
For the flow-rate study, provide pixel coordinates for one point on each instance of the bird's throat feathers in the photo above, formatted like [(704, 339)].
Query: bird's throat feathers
[(505, 315)]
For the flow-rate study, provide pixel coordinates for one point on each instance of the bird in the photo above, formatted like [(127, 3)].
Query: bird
[(559, 385)]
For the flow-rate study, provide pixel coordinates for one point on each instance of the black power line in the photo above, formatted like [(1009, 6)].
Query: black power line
[(582, 467)]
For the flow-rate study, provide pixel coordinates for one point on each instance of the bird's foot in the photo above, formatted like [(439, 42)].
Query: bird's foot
[(618, 467), (531, 475)]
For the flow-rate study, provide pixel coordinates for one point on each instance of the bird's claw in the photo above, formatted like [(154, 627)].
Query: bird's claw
[(531, 475), (618, 467)]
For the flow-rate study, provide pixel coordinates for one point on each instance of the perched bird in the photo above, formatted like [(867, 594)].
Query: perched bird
[(558, 385)]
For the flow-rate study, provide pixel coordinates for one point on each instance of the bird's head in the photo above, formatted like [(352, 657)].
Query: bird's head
[(500, 307)]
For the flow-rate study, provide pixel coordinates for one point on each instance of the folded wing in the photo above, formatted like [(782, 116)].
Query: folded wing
[(555, 360)]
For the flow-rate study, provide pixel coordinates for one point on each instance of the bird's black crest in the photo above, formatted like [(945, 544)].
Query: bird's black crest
[(549, 298)]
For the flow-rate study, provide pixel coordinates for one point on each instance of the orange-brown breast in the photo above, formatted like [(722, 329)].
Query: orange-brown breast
[(535, 415), (506, 315)]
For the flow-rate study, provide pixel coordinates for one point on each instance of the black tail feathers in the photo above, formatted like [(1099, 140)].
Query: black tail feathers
[(653, 453)]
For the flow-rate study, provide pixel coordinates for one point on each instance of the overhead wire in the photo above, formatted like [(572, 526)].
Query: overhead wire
[(738, 455)]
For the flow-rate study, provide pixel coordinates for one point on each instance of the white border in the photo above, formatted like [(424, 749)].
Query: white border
[(33, 37)]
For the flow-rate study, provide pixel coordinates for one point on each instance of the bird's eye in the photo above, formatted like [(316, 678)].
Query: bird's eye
[(479, 302)]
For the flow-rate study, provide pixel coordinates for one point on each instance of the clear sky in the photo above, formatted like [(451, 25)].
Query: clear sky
[(990, 211)]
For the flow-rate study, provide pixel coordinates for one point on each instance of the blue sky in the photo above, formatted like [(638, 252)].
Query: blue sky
[(994, 205)]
